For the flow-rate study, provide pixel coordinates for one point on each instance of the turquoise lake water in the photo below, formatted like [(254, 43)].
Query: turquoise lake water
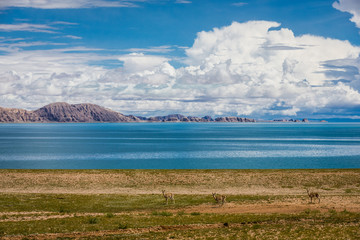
[(180, 145)]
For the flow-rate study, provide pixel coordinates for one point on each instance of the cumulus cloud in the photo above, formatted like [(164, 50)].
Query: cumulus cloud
[(254, 68), (274, 69), (62, 4), (350, 6), (32, 77)]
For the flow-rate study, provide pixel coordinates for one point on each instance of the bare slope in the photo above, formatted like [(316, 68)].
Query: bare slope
[(64, 112), (85, 112), (14, 115)]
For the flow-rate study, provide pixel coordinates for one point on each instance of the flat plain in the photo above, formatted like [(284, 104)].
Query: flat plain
[(128, 204)]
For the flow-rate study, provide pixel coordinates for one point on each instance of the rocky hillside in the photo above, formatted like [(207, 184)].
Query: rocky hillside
[(64, 112), (182, 118), (14, 115), (85, 112), (234, 119), (179, 118)]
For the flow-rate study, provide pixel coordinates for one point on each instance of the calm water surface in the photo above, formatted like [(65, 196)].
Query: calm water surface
[(180, 145)]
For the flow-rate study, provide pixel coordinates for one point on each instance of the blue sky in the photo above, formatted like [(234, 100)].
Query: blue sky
[(260, 58), (158, 23)]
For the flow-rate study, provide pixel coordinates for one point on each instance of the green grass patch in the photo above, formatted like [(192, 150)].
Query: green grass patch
[(98, 223), (92, 220), (109, 215), (280, 231), (348, 190), (195, 213), (163, 213), (122, 226), (181, 213), (110, 203), (103, 203)]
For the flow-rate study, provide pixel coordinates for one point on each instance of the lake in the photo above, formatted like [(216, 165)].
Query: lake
[(180, 145)]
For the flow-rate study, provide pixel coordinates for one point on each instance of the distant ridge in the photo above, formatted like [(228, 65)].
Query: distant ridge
[(64, 112), (85, 112)]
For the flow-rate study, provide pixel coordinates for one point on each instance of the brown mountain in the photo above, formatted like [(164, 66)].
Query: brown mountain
[(14, 115), (234, 119), (86, 112), (64, 112)]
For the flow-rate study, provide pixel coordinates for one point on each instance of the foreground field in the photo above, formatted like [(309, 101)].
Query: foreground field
[(127, 204)]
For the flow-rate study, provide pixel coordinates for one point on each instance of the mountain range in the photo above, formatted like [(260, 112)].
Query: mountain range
[(86, 112)]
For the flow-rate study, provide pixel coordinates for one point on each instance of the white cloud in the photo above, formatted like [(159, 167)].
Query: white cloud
[(159, 49), (62, 4), (138, 62), (47, 62), (253, 68), (350, 6), (16, 46), (3, 39), (26, 27), (274, 69), (63, 23), (239, 4), (73, 37), (182, 1)]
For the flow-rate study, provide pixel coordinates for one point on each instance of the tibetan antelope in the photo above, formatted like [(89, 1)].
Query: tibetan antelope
[(313, 195), (221, 199), (168, 196)]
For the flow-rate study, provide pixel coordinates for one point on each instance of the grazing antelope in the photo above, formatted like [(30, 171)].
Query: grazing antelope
[(168, 196), (313, 195), (219, 198)]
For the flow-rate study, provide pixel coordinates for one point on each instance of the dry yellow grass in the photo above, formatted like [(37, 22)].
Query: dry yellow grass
[(265, 182)]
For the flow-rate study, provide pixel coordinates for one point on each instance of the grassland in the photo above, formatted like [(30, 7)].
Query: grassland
[(127, 204)]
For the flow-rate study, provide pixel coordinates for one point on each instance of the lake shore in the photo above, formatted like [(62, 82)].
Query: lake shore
[(47, 197)]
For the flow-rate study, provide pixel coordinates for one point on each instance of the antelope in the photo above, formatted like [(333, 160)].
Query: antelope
[(219, 198), (168, 196), (313, 195)]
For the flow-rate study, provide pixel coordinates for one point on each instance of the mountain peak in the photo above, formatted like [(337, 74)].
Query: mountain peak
[(84, 112)]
